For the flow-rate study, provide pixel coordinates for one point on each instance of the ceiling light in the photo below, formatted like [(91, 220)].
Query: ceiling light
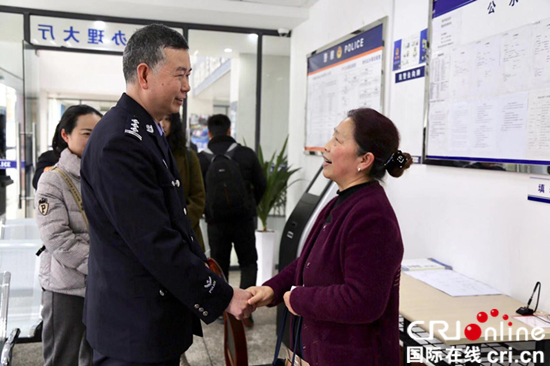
[(253, 37), (228, 50)]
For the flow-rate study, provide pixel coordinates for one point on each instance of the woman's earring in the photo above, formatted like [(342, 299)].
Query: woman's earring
[(358, 170)]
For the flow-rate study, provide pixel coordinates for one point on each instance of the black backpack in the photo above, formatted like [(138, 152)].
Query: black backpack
[(227, 196)]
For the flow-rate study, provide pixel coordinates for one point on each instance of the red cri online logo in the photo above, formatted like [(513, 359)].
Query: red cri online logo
[(473, 331)]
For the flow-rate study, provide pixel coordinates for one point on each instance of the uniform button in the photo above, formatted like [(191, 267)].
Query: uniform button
[(304, 347), (197, 306), (185, 211), (161, 293), (192, 239), (308, 264), (205, 313), (324, 227), (177, 183), (174, 183), (201, 310)]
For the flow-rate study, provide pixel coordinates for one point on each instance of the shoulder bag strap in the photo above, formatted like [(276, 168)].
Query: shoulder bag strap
[(74, 191)]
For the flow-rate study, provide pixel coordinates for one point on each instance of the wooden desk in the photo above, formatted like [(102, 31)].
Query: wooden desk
[(421, 302)]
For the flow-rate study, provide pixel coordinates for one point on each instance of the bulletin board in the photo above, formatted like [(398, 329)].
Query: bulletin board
[(342, 76), (489, 81)]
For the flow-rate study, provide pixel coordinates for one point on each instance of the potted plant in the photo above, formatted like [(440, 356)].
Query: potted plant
[(277, 173)]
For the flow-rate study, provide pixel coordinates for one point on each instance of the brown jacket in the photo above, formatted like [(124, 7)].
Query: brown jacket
[(195, 197)]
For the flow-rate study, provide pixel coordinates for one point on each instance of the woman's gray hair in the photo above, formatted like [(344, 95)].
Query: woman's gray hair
[(147, 46)]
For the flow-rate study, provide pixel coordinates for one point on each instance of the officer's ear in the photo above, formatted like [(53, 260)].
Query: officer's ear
[(143, 74)]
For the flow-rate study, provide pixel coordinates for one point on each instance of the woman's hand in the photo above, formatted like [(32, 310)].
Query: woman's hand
[(261, 296), (286, 297)]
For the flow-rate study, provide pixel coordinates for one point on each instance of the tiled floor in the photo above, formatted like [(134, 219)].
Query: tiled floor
[(206, 351)]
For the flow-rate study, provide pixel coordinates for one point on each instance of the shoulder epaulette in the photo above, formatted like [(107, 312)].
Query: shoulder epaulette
[(133, 128)]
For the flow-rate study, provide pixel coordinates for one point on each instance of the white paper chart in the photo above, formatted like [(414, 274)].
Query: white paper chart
[(489, 82), (453, 283), (341, 78)]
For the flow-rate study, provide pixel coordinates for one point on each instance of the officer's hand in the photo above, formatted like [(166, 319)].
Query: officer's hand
[(261, 295), (239, 306)]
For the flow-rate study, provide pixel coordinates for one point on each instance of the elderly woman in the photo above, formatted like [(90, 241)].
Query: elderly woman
[(347, 276)]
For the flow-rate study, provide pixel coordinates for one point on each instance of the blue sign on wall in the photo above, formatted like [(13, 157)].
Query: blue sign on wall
[(423, 45), (412, 74), (441, 7), (365, 42), (397, 55), (7, 164)]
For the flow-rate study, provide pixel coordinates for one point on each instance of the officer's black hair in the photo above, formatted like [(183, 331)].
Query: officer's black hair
[(68, 123), (176, 136), (147, 46), (218, 125)]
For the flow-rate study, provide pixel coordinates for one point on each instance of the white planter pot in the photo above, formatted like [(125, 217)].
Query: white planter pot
[(265, 246)]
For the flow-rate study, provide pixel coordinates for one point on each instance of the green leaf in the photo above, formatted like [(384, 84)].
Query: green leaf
[(277, 173)]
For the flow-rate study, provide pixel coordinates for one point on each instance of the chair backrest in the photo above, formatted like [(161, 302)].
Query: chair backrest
[(4, 300), (19, 258), (235, 350), (20, 229)]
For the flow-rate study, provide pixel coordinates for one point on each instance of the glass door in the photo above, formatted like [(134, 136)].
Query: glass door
[(27, 129)]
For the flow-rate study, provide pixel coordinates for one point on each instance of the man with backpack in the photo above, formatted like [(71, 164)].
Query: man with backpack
[(235, 185)]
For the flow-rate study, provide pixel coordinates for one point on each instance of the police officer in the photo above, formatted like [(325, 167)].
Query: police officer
[(148, 286)]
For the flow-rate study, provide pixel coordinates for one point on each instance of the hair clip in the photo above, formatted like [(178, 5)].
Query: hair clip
[(397, 160)]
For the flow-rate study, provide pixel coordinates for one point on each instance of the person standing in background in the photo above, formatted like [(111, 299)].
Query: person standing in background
[(47, 159), (63, 229), (189, 168), (235, 185)]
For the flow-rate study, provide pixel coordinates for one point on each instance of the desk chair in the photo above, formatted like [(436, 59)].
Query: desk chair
[(235, 351)]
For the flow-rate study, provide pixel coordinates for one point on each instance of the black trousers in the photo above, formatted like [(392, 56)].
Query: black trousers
[(221, 236), (100, 360)]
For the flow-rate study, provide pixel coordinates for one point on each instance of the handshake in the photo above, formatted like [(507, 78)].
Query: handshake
[(245, 302)]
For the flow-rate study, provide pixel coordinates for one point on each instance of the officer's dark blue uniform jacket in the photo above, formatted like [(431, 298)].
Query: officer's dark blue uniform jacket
[(148, 286)]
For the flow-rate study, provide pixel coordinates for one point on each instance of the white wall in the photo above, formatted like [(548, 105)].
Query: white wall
[(480, 222), (79, 74), (11, 36), (246, 107), (275, 102)]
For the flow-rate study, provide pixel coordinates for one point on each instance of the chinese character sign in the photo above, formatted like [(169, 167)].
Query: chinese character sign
[(81, 34), (539, 189)]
